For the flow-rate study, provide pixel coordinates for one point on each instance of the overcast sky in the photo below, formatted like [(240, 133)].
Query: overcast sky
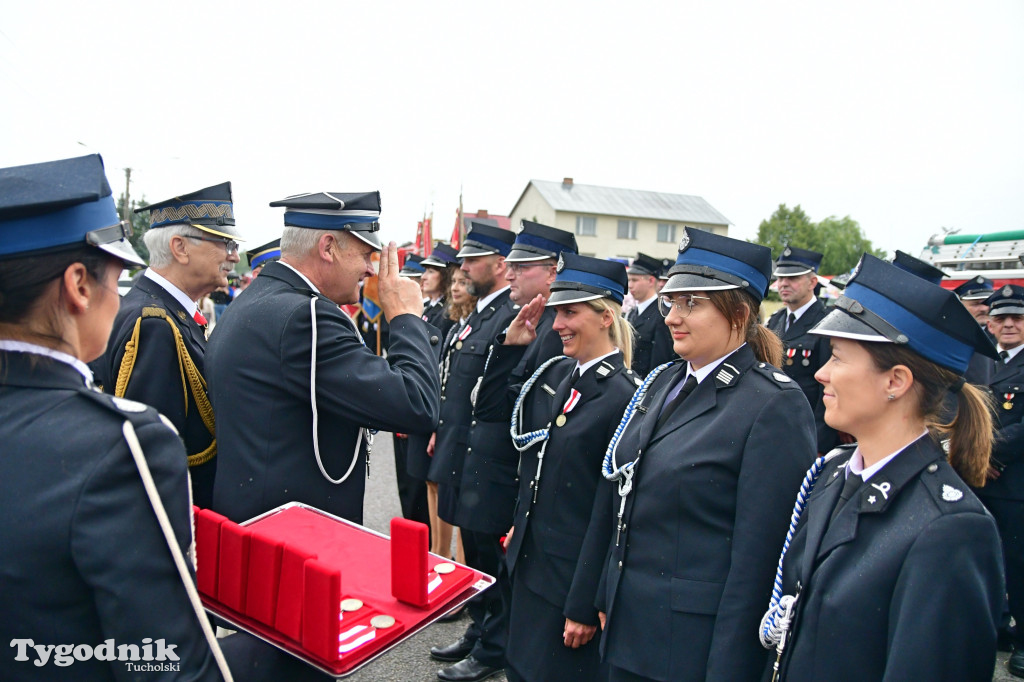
[(906, 116)]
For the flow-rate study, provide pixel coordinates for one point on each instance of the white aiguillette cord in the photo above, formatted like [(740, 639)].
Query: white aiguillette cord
[(316, 418), (172, 543)]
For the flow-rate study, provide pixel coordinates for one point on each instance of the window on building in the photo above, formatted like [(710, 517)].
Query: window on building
[(627, 229), (666, 232), (586, 226)]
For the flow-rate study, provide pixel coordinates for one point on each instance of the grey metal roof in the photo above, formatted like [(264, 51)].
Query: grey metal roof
[(630, 203)]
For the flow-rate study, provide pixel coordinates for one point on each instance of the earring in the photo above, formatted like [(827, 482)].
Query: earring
[(892, 397)]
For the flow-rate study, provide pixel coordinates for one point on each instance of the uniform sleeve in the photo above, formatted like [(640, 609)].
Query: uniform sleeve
[(779, 449), (120, 552), (156, 378), (947, 603), (400, 393)]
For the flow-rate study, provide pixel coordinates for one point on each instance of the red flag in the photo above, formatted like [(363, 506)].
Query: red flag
[(428, 235), (418, 246)]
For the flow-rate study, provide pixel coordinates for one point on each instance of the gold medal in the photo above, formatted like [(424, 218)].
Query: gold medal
[(789, 361), (382, 622), (1007, 405), (351, 604), (458, 345), (444, 568), (560, 420)]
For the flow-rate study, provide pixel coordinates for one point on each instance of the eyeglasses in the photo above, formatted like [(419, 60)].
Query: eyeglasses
[(517, 268), (229, 244), (683, 303)]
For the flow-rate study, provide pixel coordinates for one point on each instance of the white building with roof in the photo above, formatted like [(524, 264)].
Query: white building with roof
[(616, 223)]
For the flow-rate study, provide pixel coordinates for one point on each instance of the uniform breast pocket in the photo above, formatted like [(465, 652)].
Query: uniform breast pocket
[(472, 356)]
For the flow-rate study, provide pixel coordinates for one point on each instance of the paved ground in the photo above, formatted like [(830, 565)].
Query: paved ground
[(411, 661)]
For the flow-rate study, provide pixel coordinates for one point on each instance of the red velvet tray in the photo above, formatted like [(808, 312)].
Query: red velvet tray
[(284, 575)]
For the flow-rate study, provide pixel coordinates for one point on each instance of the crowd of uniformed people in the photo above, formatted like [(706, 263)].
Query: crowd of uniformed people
[(677, 492)]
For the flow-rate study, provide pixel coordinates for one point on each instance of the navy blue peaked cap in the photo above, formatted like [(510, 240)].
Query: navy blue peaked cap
[(916, 266), (486, 240), (793, 262), (1007, 300), (711, 262), (261, 255), (974, 289), (645, 265), (885, 304), (442, 256), (413, 266), (538, 242), (58, 205), (209, 209), (582, 278), (358, 213)]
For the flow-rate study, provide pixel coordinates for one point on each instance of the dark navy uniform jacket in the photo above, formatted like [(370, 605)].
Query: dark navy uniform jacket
[(905, 583), (816, 350), (487, 494), (652, 344), (84, 559), (417, 461), (466, 367), (1008, 451), (259, 370), (544, 552), (156, 378), (436, 315), (688, 580)]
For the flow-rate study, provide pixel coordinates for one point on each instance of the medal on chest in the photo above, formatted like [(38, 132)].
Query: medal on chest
[(806, 362), (462, 335), (570, 405), (1008, 405), (790, 353)]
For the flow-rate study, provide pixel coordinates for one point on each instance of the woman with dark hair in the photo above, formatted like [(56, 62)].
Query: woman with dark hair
[(94, 489), (705, 460), (892, 567)]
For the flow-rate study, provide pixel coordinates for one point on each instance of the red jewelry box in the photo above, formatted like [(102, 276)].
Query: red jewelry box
[(284, 576)]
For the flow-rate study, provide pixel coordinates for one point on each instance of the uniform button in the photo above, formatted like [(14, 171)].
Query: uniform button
[(469, 450), (473, 423), (440, 422), (620, 565), (932, 468), (442, 398), (433, 340)]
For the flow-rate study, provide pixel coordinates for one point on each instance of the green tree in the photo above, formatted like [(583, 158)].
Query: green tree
[(139, 222), (840, 240)]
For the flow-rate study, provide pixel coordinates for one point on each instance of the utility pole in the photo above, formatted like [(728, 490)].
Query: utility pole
[(127, 195)]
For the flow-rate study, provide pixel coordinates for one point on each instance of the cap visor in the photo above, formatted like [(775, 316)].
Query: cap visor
[(565, 296), (519, 256), (1006, 310), (981, 296), (842, 324), (469, 251), (685, 281), (122, 249), (370, 238), (226, 231), (791, 271)]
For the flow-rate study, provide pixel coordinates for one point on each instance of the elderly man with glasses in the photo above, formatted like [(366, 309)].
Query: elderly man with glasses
[(157, 346)]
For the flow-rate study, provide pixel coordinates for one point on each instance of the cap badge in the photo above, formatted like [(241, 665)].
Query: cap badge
[(788, 252), (561, 264), (684, 241), (951, 494), (1007, 291), (979, 279)]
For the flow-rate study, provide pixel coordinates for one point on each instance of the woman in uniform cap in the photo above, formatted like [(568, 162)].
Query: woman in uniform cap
[(85, 561), (561, 423), (892, 568), (705, 460)]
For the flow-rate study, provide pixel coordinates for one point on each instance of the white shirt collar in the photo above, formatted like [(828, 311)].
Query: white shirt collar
[(1012, 352), (710, 367), (303, 277), (180, 296), (23, 347), (482, 303), (803, 309), (590, 363), (856, 465), (641, 307)]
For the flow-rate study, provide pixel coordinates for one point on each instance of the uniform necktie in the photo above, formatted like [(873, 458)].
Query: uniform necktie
[(853, 482), (790, 321), (1005, 355), (673, 401), (575, 376), (198, 317)]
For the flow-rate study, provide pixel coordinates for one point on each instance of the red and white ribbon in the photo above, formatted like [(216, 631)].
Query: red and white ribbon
[(570, 404)]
